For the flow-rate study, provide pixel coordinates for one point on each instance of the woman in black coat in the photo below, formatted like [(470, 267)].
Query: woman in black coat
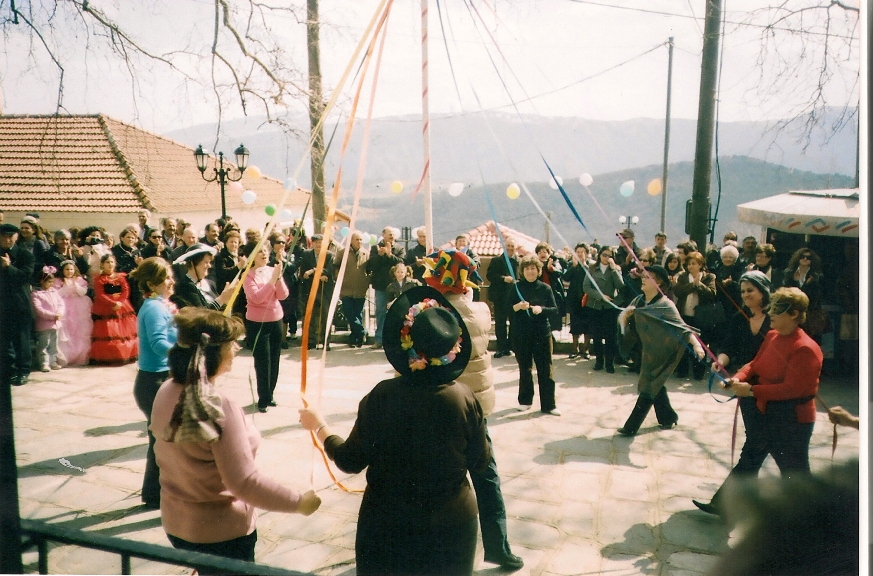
[(418, 514)]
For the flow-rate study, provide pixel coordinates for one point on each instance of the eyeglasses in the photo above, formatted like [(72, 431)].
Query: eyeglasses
[(805, 257), (154, 237), (279, 242)]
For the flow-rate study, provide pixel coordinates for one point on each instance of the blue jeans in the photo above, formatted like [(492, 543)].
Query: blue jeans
[(353, 309), (492, 511), (381, 312)]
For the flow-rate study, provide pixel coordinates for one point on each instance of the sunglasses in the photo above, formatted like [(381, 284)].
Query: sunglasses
[(279, 242), (805, 257)]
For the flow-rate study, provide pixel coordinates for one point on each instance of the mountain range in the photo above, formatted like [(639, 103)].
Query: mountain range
[(497, 149)]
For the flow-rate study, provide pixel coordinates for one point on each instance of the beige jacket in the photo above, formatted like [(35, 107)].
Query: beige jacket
[(478, 377), (355, 282)]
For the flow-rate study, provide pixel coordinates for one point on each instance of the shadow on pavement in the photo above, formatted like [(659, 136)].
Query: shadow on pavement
[(53, 466), (121, 428)]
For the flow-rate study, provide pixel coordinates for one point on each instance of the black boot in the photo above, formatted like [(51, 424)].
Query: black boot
[(641, 409), (610, 366), (667, 417), (714, 505)]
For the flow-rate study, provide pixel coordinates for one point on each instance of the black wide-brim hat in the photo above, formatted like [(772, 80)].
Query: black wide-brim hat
[(431, 333)]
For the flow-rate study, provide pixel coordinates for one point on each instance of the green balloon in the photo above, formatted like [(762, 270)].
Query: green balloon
[(270, 209)]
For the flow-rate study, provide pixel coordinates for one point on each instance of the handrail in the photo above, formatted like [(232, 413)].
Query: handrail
[(40, 533)]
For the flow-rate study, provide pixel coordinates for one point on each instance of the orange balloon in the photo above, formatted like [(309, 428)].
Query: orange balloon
[(654, 187)]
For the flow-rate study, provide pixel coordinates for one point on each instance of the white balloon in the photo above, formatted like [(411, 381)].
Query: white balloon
[(456, 189), (586, 179), (285, 215), (555, 182), (249, 197)]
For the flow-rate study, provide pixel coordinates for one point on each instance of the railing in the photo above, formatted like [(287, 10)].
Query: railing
[(39, 534)]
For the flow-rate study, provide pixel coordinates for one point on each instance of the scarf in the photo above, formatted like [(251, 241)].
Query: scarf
[(195, 417)]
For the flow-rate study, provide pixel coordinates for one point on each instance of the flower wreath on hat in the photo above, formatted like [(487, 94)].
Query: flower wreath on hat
[(418, 361)]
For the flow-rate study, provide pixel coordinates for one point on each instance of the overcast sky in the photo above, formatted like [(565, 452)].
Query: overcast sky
[(556, 57)]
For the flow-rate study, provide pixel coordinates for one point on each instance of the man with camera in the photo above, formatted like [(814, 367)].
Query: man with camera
[(383, 257)]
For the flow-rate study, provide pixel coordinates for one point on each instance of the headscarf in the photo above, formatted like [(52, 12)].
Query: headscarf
[(195, 418)]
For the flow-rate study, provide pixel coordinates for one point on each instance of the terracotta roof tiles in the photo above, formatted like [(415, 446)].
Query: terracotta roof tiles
[(485, 242)]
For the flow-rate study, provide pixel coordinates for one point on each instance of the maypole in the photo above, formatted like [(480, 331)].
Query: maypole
[(425, 130)]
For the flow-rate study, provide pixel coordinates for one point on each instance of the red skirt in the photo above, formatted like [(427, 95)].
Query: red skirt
[(113, 340)]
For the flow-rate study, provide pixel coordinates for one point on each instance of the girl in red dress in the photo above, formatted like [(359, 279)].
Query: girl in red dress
[(113, 339)]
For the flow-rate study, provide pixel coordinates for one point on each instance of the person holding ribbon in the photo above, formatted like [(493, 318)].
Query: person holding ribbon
[(157, 335), (265, 288), (743, 337), (418, 514), (783, 380), (533, 306), (206, 447), (454, 275), (653, 320)]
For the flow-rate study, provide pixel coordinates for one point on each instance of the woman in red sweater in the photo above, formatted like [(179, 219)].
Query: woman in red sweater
[(783, 379)]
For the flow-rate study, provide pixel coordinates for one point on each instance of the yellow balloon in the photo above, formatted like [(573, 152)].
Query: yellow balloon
[(513, 191), (654, 187), (397, 186), (253, 172)]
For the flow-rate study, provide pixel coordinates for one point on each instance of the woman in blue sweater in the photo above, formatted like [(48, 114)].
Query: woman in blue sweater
[(157, 334)]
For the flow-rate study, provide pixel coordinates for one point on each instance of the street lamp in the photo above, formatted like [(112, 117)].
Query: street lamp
[(628, 220), (222, 174)]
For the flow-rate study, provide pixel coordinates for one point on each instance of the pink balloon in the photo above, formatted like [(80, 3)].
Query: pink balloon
[(235, 187)]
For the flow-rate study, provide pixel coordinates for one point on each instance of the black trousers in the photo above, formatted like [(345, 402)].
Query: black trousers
[(15, 329), (242, 548), (266, 341), (537, 350), (501, 326), (603, 334), (145, 388)]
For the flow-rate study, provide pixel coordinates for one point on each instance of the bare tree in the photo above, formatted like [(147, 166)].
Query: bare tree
[(809, 62), (248, 68)]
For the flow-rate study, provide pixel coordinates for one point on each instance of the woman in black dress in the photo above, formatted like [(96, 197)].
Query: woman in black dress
[(743, 337)]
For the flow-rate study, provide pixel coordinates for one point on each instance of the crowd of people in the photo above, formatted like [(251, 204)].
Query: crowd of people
[(154, 297)]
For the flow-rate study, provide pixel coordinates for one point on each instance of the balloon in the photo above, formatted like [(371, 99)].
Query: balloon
[(235, 187), (627, 189), (373, 240), (586, 179), (654, 187), (365, 237), (270, 209), (513, 191), (290, 184), (397, 187), (253, 172), (285, 215), (456, 189), (249, 197), (555, 182), (344, 231)]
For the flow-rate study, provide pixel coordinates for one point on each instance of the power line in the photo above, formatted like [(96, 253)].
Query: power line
[(697, 18)]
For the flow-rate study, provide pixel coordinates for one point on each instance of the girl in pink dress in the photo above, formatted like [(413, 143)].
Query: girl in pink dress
[(74, 334)]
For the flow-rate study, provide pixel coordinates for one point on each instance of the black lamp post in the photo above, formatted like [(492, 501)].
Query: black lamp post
[(222, 174)]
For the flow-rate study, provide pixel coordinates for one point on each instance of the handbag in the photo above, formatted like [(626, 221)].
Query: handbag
[(709, 314), (817, 322), (584, 301)]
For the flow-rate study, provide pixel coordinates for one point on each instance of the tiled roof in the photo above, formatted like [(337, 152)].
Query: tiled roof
[(485, 242), (97, 164)]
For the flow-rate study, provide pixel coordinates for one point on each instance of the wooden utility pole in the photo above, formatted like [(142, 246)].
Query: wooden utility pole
[(316, 109), (699, 224), (666, 139)]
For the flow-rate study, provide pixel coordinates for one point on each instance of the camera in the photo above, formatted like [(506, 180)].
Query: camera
[(94, 241)]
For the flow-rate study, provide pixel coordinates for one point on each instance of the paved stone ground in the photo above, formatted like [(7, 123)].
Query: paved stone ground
[(580, 499)]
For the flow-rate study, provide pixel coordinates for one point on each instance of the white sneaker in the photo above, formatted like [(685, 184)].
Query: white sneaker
[(523, 407), (553, 412)]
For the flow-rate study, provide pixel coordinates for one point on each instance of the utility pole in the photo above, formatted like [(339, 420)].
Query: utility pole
[(666, 139), (699, 218), (316, 109)]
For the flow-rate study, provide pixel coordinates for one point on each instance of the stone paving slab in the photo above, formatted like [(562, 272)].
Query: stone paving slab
[(579, 498)]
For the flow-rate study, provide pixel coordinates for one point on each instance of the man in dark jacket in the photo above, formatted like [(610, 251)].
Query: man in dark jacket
[(308, 262), (383, 257), (501, 280), (16, 271), (415, 256)]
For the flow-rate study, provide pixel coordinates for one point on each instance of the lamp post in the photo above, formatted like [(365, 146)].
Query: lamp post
[(222, 174), (628, 220)]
